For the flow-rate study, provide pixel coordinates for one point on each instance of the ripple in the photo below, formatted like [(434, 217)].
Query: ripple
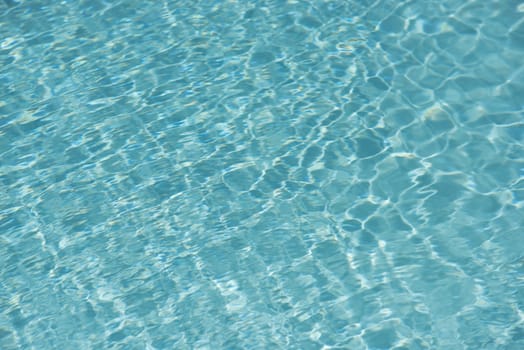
[(280, 174)]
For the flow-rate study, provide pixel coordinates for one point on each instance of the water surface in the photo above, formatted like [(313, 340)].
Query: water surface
[(261, 174)]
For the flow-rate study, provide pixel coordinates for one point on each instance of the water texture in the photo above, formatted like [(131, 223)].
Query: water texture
[(261, 174)]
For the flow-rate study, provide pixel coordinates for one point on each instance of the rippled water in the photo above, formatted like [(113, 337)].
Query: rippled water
[(262, 174)]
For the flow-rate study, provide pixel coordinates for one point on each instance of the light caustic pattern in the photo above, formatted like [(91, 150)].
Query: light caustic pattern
[(261, 175)]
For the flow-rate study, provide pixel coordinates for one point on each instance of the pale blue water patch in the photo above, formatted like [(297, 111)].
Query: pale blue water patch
[(261, 175)]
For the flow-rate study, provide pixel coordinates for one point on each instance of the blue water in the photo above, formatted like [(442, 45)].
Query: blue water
[(262, 174)]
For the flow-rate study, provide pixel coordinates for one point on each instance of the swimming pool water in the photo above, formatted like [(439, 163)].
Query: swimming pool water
[(261, 174)]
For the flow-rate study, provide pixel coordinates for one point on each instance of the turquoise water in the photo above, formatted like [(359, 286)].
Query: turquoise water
[(262, 174)]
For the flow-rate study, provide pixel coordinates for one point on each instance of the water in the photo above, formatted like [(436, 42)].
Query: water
[(261, 174)]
